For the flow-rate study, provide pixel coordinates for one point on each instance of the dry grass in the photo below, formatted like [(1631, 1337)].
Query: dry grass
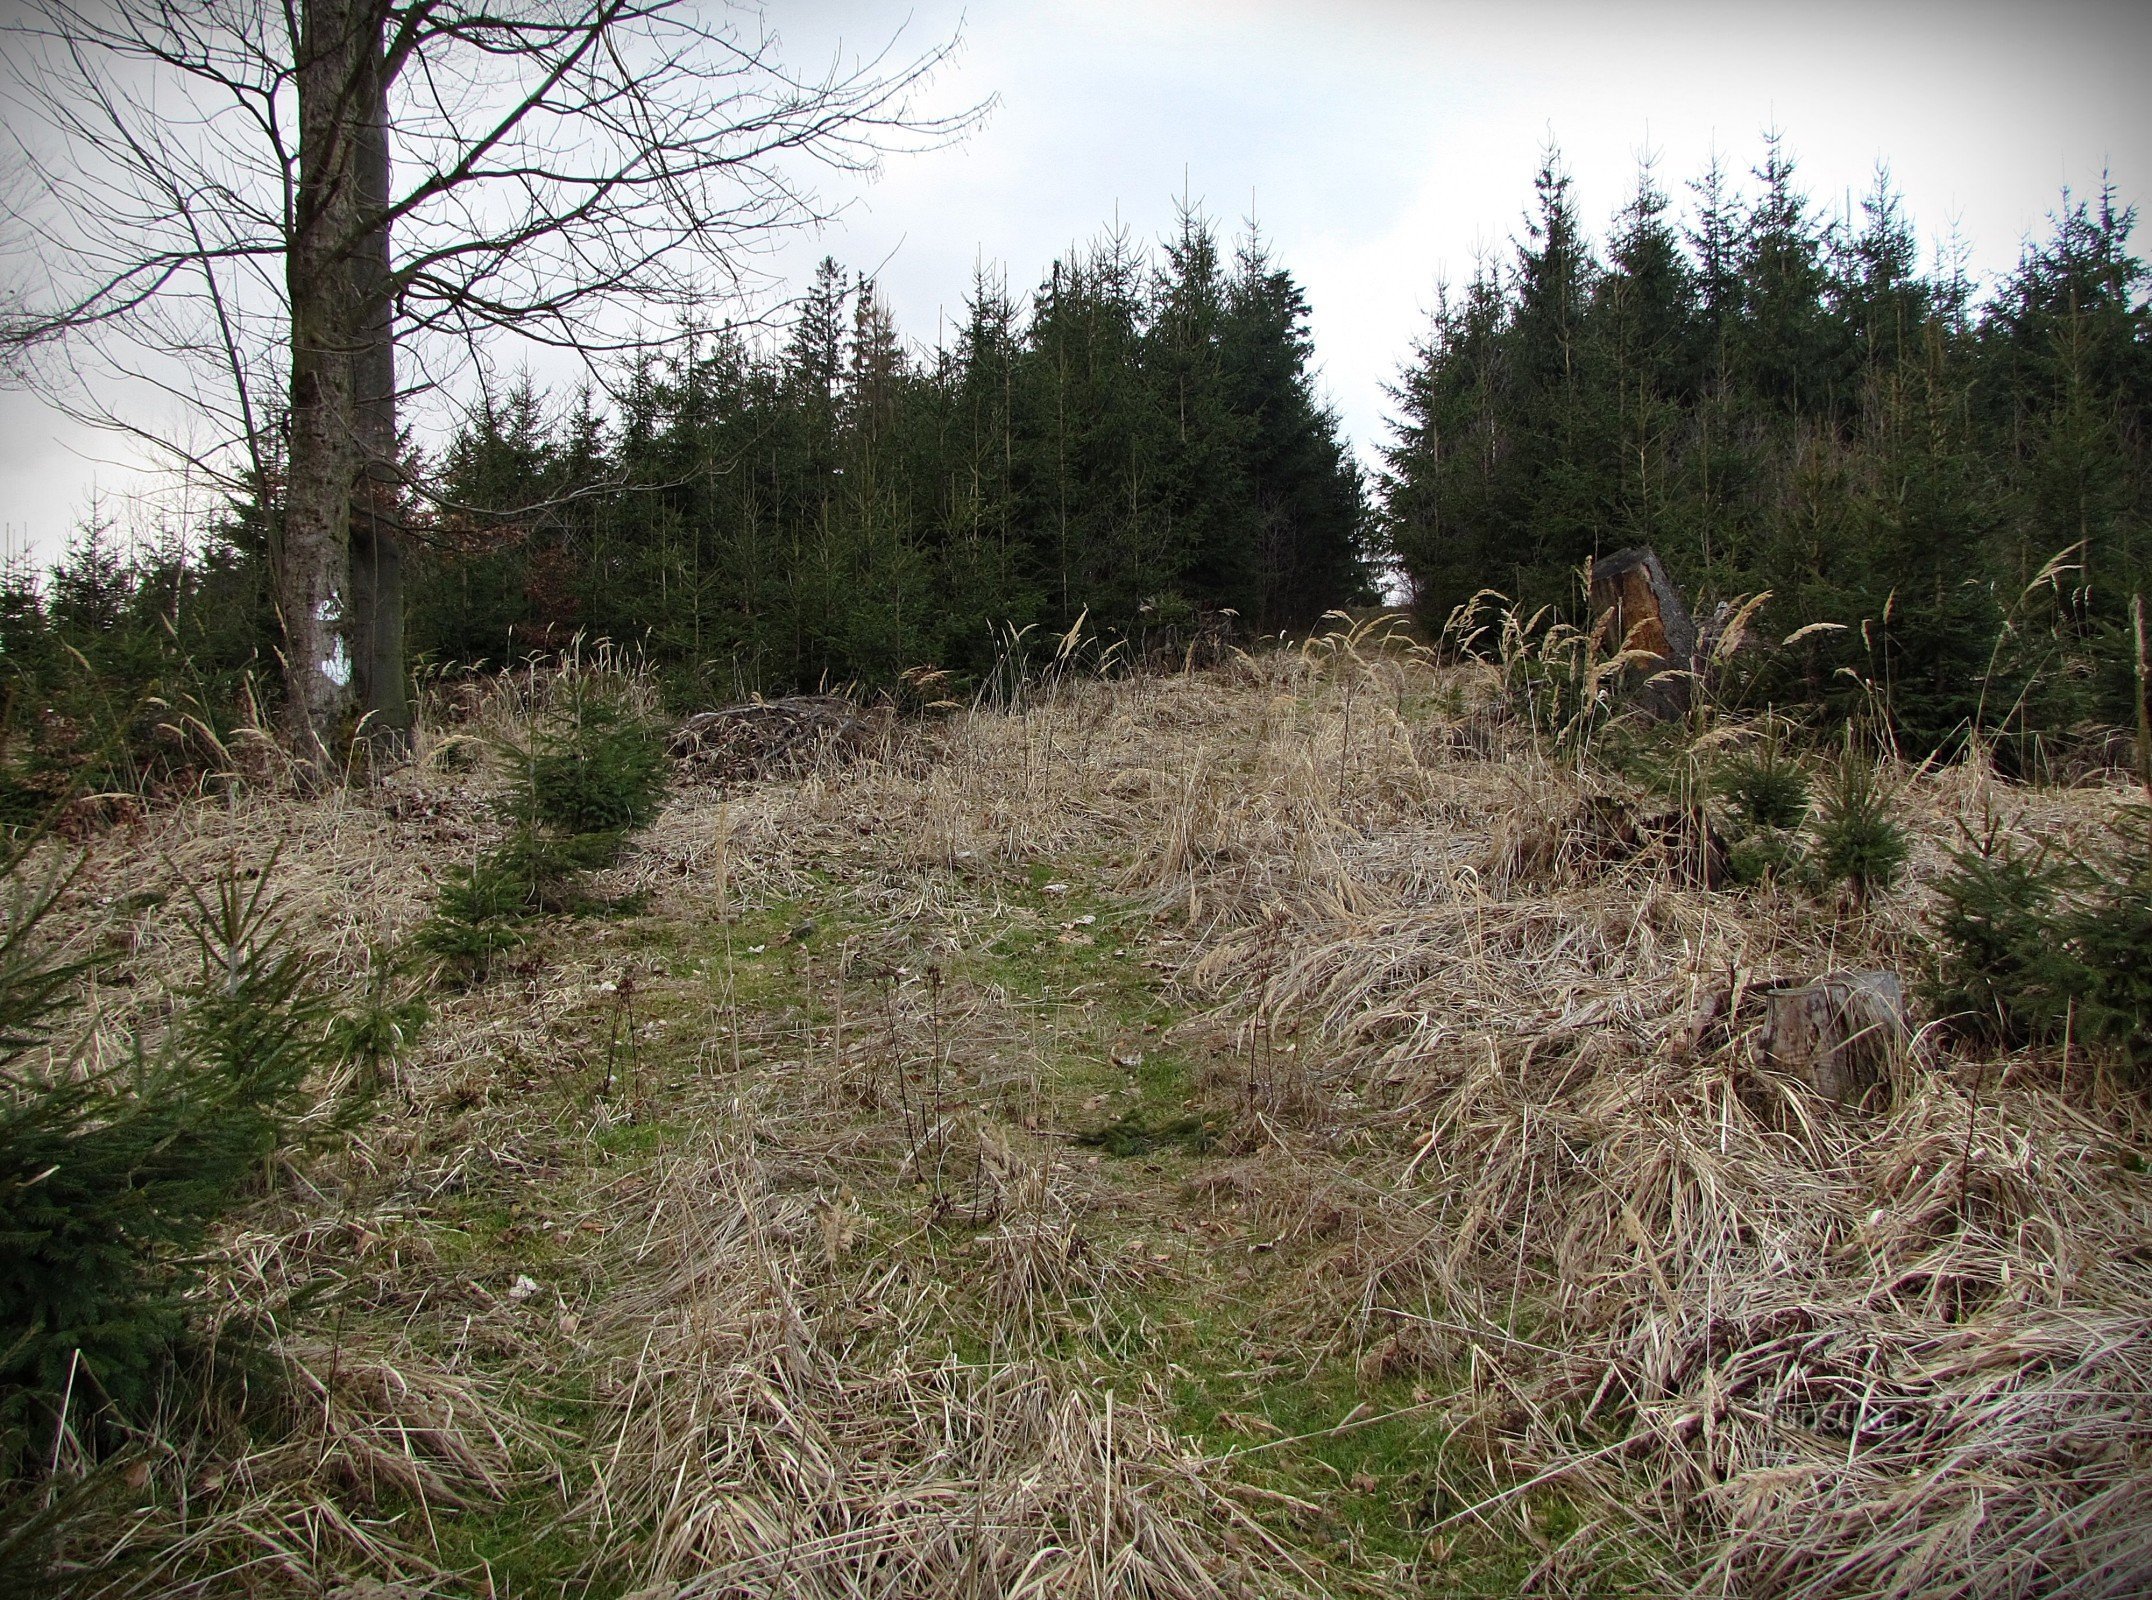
[(825, 1302), (1814, 1353), (754, 1443)]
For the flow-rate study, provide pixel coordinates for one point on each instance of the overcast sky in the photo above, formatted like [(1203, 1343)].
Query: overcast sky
[(1381, 143)]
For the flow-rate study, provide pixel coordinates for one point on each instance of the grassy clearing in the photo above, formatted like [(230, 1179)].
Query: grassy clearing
[(1233, 1134)]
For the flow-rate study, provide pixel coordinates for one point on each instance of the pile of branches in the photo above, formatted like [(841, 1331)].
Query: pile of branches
[(777, 738)]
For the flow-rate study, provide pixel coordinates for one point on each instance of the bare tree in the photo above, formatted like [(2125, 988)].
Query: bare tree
[(208, 196)]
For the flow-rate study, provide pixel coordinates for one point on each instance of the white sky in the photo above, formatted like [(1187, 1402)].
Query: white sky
[(1381, 143)]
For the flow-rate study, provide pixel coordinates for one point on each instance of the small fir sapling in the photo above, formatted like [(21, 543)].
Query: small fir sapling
[(595, 772), (2035, 946), (112, 1175), (591, 774), (1771, 797), (2113, 937), (1767, 788), (1859, 842), (2003, 971)]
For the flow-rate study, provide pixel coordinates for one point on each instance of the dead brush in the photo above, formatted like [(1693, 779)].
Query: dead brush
[(378, 1413), (1278, 1195), (375, 1438), (743, 1453), (1548, 676), (1794, 1347), (1281, 1081), (1410, 980), (946, 1144), (1777, 1347), (1666, 1304), (1258, 1078), (309, 1440), (792, 736), (392, 1423), (1021, 678)]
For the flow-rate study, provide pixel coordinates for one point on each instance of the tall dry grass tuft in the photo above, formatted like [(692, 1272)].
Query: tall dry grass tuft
[(1798, 1348), (347, 1460)]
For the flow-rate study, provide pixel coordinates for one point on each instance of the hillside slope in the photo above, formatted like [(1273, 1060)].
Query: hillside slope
[(1258, 1131)]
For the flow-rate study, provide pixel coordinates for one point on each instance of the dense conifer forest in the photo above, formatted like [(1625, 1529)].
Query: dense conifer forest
[(1781, 399), (1142, 441)]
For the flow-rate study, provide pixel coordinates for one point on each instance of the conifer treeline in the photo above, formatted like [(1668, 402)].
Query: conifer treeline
[(1777, 399), (1142, 442), (1774, 398)]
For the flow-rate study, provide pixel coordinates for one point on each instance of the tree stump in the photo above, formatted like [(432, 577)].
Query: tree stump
[(1838, 1034), (1630, 589)]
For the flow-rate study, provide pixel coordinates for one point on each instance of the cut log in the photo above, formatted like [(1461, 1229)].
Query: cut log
[(1837, 1035), (1641, 610)]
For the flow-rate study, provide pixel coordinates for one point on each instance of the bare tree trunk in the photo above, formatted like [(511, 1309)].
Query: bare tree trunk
[(2144, 695), (376, 624), (312, 557)]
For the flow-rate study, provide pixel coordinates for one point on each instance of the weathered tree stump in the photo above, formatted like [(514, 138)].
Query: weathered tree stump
[(1643, 611), (1838, 1034)]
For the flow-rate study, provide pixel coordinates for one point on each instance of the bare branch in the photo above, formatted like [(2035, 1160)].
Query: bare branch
[(206, 194), (570, 168)]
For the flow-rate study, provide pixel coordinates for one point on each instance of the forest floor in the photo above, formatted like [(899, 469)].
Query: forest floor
[(1255, 1131)]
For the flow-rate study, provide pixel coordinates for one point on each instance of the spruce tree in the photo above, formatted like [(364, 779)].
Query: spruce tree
[(1643, 365), (1299, 481), (1202, 505)]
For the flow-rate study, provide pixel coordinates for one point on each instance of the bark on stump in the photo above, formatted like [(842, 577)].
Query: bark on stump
[(1838, 1034), (1631, 590)]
